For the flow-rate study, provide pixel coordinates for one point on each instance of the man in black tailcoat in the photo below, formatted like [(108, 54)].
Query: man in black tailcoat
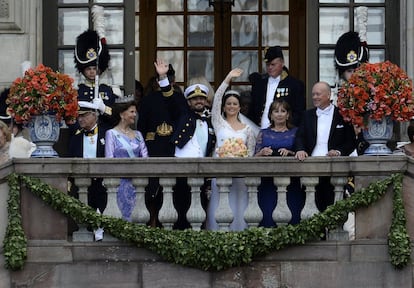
[(89, 142), (275, 84), (323, 132)]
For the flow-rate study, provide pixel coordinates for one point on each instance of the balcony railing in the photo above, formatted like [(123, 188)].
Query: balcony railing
[(365, 169)]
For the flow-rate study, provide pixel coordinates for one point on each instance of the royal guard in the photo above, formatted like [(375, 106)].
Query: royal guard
[(91, 60)]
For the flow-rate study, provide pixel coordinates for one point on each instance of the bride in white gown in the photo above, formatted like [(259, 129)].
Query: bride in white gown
[(228, 124)]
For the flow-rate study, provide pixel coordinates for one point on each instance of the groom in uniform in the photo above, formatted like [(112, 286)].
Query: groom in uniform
[(194, 137)]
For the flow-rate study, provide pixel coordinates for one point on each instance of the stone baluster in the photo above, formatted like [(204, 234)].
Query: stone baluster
[(168, 215), (281, 214), (82, 234), (140, 212), (196, 214), (338, 183), (112, 209), (310, 205), (223, 214), (83, 184), (338, 233), (253, 214)]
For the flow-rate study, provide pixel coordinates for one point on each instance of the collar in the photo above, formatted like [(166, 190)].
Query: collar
[(91, 132), (274, 80), (325, 111), (200, 117)]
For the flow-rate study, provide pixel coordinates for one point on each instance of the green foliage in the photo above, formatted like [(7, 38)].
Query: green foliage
[(15, 242), (208, 250), (399, 245)]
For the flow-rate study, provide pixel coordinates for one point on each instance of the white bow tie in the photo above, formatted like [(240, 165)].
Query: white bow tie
[(326, 111)]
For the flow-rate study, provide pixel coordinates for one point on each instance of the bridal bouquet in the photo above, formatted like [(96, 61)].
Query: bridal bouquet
[(232, 147)]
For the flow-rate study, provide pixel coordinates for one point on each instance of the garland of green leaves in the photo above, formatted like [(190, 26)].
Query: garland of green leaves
[(207, 250)]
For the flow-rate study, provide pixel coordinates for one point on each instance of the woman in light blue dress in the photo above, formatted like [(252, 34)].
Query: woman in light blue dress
[(124, 142)]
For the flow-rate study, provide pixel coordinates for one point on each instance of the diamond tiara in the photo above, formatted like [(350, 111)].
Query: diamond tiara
[(125, 99)]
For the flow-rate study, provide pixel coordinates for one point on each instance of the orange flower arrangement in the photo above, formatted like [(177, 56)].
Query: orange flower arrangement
[(376, 91), (232, 147), (40, 91)]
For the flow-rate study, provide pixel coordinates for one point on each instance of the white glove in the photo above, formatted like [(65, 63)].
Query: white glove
[(100, 105)]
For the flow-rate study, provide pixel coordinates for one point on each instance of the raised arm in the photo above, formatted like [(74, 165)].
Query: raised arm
[(216, 116)]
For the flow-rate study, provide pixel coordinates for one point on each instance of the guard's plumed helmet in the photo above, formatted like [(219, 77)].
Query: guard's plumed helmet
[(350, 52), (87, 50)]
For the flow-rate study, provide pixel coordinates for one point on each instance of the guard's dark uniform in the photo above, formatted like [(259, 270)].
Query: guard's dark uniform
[(86, 92)]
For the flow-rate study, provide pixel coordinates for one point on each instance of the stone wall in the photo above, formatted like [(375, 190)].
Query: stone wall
[(362, 263), (20, 37)]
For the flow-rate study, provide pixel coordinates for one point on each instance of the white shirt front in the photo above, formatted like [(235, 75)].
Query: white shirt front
[(89, 146), (272, 84), (323, 130), (197, 145)]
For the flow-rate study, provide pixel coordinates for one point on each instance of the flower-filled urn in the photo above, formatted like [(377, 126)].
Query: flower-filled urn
[(41, 99), (376, 95)]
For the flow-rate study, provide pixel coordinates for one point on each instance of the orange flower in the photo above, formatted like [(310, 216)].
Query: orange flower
[(375, 91), (42, 90)]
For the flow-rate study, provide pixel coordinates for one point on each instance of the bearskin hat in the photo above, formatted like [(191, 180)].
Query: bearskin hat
[(89, 49), (350, 52)]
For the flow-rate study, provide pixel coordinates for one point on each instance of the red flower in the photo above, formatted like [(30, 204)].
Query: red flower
[(42, 90), (375, 91)]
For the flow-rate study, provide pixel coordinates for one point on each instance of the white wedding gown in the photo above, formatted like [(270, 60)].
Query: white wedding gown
[(238, 197)]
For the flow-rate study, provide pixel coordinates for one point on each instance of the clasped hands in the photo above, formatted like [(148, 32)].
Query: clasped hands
[(267, 151)]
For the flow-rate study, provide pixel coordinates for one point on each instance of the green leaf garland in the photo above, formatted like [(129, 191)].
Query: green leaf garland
[(207, 250)]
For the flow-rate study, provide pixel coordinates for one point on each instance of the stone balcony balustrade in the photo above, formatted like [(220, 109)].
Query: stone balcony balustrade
[(366, 169)]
